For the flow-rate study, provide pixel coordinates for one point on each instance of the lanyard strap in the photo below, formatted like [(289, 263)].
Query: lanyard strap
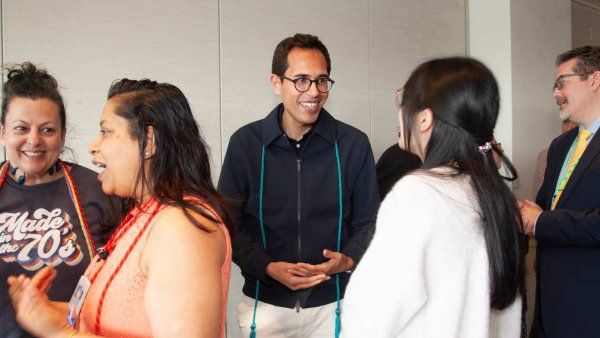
[(78, 207), (338, 325), (3, 173), (338, 308), (566, 171)]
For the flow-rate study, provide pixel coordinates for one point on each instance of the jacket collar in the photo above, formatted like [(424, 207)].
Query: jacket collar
[(325, 126)]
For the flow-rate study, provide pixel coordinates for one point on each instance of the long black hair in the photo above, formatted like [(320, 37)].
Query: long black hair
[(180, 167), (463, 96)]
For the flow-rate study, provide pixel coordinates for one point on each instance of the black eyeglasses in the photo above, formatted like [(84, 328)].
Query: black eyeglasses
[(302, 84), (560, 81)]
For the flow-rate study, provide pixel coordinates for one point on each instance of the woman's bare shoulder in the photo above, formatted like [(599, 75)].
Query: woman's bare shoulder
[(174, 236)]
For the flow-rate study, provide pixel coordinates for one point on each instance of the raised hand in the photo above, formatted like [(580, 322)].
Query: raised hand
[(34, 312)]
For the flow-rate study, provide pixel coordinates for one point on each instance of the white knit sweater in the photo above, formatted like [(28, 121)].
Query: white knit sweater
[(425, 273)]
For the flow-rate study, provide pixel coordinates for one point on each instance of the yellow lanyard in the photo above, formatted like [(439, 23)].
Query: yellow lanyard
[(574, 159)]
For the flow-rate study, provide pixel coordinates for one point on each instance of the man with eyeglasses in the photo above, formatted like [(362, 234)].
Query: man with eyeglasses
[(307, 197), (567, 225)]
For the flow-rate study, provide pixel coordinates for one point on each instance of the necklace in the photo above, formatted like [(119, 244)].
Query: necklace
[(21, 179)]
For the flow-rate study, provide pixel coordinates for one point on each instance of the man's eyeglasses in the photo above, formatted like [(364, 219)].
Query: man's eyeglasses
[(302, 84), (560, 81)]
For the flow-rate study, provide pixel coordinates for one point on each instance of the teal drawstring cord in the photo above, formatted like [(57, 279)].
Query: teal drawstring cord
[(262, 232), (338, 322)]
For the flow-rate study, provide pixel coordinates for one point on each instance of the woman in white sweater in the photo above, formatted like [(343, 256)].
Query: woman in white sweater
[(445, 260)]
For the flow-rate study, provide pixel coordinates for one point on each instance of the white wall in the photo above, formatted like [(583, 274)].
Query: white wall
[(403, 35), (519, 41), (541, 29), (490, 41), (86, 45)]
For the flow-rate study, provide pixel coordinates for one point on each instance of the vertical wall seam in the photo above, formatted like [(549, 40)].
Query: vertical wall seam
[(2, 36), (370, 73), (2, 55), (467, 29), (510, 150), (220, 82)]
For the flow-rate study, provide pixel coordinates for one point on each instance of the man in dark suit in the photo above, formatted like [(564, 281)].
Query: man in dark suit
[(567, 225)]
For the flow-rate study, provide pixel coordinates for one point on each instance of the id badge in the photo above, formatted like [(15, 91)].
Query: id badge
[(77, 299)]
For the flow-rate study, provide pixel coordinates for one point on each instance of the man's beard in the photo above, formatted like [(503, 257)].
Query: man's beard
[(563, 114)]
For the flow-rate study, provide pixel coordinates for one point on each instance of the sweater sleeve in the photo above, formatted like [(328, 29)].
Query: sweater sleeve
[(388, 287)]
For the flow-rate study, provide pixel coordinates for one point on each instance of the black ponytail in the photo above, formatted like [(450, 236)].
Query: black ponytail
[(464, 98)]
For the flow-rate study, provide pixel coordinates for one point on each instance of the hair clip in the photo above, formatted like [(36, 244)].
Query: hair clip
[(485, 148)]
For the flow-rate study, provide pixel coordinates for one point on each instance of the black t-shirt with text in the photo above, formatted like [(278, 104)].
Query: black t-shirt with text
[(40, 226)]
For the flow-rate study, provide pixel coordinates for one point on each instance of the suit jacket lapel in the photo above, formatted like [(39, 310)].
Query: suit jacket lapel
[(586, 159)]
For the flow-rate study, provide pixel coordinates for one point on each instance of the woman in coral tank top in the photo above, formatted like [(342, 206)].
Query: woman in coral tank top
[(165, 270)]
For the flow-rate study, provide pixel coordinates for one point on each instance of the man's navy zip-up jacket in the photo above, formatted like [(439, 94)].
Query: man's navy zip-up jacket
[(300, 202)]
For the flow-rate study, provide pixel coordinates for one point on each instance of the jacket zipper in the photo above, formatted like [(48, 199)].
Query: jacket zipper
[(298, 305), (298, 168)]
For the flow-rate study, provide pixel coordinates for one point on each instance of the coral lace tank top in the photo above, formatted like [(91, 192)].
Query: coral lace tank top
[(122, 313)]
